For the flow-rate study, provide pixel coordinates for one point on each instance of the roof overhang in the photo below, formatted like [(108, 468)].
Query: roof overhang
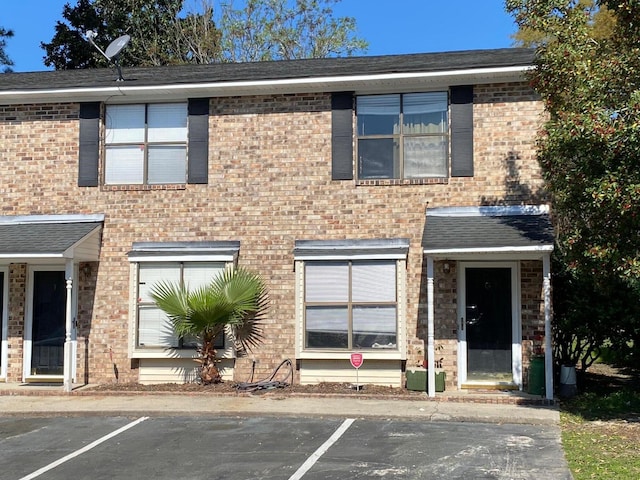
[(50, 238), (488, 233), (121, 92)]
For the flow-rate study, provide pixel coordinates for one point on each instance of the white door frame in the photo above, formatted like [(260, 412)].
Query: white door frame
[(4, 323), (28, 322), (516, 323)]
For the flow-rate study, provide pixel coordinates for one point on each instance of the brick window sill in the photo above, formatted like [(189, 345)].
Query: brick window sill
[(401, 182), (137, 188)]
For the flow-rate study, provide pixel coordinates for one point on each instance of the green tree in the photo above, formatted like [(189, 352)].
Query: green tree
[(235, 301), (286, 29), (160, 34), (601, 21), (589, 149), (5, 61)]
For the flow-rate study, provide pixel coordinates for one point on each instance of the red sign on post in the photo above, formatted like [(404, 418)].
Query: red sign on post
[(356, 360)]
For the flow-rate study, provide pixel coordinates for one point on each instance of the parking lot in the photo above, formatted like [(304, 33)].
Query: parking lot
[(235, 448)]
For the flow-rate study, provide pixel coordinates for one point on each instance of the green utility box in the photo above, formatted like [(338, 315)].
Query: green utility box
[(417, 380), (536, 376)]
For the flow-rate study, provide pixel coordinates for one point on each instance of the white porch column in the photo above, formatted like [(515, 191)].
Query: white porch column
[(431, 372), (548, 348), (68, 349)]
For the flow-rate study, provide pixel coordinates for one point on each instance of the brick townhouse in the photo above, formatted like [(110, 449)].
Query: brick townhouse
[(393, 205)]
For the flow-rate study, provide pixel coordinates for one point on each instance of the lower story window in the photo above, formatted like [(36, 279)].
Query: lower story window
[(350, 304), (154, 328)]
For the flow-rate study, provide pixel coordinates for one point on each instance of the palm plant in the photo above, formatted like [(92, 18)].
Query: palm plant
[(235, 301)]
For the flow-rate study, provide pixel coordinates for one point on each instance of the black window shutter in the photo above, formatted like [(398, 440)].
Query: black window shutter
[(462, 131), (198, 168), (342, 136), (89, 145)]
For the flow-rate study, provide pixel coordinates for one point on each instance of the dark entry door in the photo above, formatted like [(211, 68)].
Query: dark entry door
[(48, 322), (489, 324)]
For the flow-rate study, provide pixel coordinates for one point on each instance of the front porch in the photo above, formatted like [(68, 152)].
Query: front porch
[(488, 294)]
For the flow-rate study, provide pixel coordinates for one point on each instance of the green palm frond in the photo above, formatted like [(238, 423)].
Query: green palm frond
[(235, 298)]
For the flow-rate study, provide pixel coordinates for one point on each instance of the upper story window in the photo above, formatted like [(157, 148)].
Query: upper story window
[(145, 144), (402, 136)]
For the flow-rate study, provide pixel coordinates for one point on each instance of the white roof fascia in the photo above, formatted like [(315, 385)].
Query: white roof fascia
[(455, 251), (30, 219), (489, 211), (213, 89)]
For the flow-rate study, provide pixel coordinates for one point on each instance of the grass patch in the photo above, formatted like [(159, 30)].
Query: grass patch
[(601, 430)]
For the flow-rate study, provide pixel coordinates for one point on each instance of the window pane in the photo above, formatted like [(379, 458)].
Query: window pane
[(155, 328), (424, 112), (167, 164), (167, 122), (124, 124), (425, 157), (152, 273), (378, 114), (124, 165), (200, 274), (326, 327), (373, 282), (378, 158), (374, 327), (327, 282)]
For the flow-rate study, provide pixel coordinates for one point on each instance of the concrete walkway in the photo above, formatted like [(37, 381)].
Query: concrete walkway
[(470, 408)]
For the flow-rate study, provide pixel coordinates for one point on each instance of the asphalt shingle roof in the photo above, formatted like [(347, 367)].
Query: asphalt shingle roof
[(467, 232), (42, 238), (277, 70)]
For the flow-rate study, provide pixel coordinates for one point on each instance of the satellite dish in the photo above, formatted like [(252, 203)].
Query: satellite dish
[(113, 50), (116, 46)]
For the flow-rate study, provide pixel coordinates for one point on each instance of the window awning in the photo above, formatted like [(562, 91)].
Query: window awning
[(50, 237), (214, 251), (392, 248), (523, 231)]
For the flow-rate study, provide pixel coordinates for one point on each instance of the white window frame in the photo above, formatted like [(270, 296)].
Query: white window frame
[(170, 253), (147, 139), (352, 250)]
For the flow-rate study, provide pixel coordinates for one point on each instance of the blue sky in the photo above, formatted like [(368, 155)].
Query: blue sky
[(390, 26)]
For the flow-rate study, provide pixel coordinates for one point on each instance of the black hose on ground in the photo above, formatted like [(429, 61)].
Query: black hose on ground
[(269, 383)]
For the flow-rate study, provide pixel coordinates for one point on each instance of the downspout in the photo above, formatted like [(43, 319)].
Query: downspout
[(431, 371), (548, 349)]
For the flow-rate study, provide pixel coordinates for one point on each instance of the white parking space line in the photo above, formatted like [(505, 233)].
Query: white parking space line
[(84, 449), (304, 468)]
